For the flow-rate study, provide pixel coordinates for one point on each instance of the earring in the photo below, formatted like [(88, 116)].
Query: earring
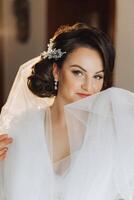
[(55, 85)]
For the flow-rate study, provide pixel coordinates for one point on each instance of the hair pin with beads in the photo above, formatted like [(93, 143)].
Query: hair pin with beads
[(52, 53)]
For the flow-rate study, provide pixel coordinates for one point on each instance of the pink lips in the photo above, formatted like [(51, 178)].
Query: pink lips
[(83, 95)]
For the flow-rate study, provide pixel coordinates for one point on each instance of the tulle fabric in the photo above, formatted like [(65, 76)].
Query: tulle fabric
[(101, 137), (20, 98), (107, 151)]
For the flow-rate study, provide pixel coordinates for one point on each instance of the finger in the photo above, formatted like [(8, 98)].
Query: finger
[(5, 142), (3, 148), (2, 136), (3, 151), (2, 157)]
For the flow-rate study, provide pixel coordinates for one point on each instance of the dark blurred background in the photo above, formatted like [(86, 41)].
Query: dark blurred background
[(94, 12)]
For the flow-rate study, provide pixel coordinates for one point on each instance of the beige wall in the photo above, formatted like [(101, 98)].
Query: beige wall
[(125, 44), (16, 53)]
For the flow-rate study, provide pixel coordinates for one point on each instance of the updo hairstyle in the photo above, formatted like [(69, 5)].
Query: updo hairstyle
[(68, 38)]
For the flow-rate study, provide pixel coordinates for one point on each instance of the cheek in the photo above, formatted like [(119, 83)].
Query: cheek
[(98, 86), (68, 83)]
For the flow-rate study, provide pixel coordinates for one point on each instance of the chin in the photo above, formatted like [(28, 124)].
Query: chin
[(75, 99), (72, 99)]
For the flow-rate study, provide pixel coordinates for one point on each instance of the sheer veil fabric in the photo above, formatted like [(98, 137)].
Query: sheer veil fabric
[(101, 136)]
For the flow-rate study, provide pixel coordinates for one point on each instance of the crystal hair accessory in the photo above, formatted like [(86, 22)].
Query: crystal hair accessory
[(52, 53)]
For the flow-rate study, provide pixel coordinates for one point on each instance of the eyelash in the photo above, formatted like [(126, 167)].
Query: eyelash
[(98, 77), (80, 73), (77, 72)]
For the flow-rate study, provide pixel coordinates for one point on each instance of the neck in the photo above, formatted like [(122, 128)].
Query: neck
[(57, 111)]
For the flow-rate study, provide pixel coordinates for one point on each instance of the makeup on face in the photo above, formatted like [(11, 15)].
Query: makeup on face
[(81, 75)]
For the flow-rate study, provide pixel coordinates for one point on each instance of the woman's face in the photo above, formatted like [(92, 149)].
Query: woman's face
[(81, 75)]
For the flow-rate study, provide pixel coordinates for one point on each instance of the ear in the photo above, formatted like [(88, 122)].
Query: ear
[(55, 72)]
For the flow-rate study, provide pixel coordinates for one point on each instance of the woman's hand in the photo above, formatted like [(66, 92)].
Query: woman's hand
[(5, 140)]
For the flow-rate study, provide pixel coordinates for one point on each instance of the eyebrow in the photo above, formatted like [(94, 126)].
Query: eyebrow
[(85, 70)]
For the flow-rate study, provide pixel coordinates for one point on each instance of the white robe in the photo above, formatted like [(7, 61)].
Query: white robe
[(101, 136)]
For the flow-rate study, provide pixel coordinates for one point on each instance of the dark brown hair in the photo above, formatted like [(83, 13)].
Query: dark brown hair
[(68, 38)]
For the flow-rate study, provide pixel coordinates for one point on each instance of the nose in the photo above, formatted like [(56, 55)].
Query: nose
[(89, 86)]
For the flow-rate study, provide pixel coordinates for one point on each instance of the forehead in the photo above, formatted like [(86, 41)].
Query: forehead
[(87, 58)]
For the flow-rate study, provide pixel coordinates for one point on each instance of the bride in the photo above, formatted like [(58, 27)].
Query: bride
[(69, 135)]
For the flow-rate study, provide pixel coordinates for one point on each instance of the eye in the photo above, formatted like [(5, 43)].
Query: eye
[(77, 73), (98, 76)]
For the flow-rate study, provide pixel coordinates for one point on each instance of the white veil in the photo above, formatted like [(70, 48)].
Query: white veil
[(19, 101), (20, 98), (101, 135)]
